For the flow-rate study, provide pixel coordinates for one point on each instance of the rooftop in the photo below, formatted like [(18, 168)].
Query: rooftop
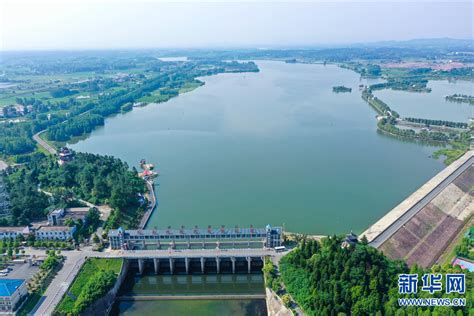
[(77, 210), (54, 228), (73, 213), (9, 286), (194, 231), (12, 228)]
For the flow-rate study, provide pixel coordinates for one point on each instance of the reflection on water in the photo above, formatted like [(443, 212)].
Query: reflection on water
[(192, 307), (192, 284), (221, 284)]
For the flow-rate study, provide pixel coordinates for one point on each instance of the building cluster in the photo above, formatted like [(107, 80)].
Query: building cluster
[(45, 232), (60, 217), (15, 110), (56, 229)]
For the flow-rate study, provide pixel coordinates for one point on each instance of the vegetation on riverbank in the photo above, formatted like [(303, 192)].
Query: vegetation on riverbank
[(458, 148), (388, 125), (381, 107), (94, 178), (461, 98), (341, 89), (272, 280), (390, 119), (429, 122), (408, 84), (96, 278), (39, 103), (325, 278)]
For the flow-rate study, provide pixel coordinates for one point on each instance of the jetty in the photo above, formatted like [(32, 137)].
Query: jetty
[(151, 205), (148, 175)]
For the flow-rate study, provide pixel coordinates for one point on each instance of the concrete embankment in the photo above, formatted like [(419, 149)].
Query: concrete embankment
[(275, 306), (151, 207), (388, 224)]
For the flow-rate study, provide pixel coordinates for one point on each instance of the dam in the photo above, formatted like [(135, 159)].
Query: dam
[(268, 237), (420, 228)]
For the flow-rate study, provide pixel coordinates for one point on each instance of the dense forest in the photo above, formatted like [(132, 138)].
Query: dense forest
[(327, 279), (76, 126), (94, 178)]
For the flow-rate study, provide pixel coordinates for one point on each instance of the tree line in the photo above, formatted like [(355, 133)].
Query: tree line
[(388, 125), (437, 122), (327, 279), (378, 104)]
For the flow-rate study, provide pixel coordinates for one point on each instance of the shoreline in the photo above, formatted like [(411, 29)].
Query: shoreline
[(150, 210)]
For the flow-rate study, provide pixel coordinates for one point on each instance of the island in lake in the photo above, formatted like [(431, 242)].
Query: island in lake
[(461, 98), (341, 89)]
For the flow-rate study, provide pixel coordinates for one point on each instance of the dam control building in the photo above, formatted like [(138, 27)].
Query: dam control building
[(268, 237)]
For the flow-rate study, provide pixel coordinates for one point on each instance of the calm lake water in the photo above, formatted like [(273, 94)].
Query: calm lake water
[(193, 308), (274, 147), (432, 105), (192, 285)]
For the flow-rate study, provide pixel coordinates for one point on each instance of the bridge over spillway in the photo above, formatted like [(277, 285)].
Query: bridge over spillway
[(194, 260), (196, 250), (222, 238)]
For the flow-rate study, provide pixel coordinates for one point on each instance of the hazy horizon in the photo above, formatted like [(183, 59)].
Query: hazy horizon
[(106, 25)]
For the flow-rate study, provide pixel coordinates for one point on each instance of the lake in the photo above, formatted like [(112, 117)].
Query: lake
[(275, 147), (432, 105), (183, 285), (192, 307)]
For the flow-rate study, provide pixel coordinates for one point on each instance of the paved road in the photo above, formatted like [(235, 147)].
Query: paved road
[(151, 208), (189, 253), (42, 143), (51, 149), (402, 220), (60, 283)]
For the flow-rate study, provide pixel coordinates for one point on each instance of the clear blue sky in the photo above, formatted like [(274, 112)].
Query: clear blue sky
[(160, 24)]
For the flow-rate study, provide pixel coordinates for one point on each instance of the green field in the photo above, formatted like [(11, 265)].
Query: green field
[(88, 271)]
